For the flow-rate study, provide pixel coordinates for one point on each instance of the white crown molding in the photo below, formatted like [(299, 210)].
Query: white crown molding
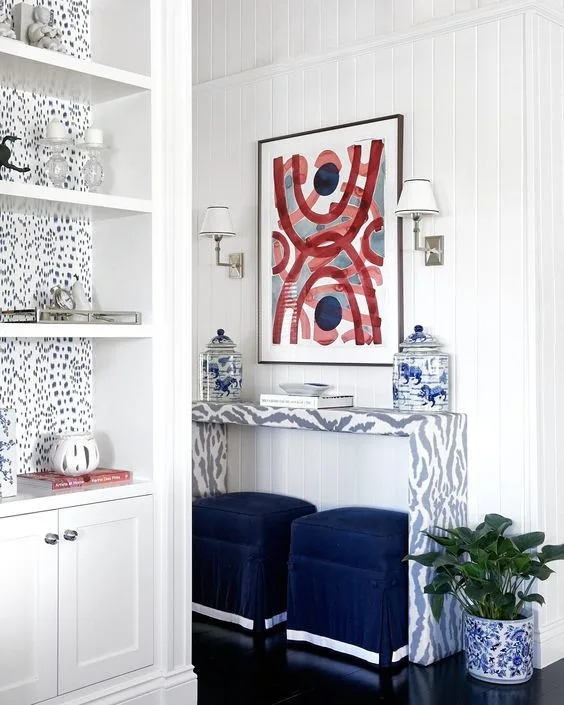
[(434, 28)]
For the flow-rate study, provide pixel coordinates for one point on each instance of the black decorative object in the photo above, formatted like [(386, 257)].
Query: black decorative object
[(5, 154)]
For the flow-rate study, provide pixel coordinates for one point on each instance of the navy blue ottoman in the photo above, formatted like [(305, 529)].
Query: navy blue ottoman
[(240, 543), (347, 586)]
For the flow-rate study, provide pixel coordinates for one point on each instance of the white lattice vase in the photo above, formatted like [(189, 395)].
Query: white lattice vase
[(75, 454)]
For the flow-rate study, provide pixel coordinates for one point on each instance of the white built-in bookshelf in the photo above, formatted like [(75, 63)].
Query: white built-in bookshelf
[(114, 380)]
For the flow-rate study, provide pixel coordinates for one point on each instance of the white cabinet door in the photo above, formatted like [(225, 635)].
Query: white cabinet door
[(28, 609), (105, 591)]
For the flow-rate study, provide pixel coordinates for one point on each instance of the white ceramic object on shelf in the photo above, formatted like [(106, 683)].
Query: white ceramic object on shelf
[(6, 27), (75, 454), (305, 389)]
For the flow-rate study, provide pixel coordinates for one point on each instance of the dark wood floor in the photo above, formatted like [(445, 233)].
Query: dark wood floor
[(234, 669)]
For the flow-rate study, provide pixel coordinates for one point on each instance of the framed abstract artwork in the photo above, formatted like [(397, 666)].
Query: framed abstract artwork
[(329, 244)]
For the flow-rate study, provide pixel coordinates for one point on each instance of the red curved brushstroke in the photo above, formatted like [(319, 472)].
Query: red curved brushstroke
[(331, 273), (324, 337), (328, 156), (335, 209), (280, 265), (317, 250)]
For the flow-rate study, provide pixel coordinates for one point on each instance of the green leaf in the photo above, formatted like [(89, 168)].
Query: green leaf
[(466, 534), (522, 564), (533, 597), (444, 560), (437, 602), (437, 589), (426, 559), (506, 547), (541, 572), (471, 570), (442, 540), (475, 592), (552, 553), (526, 541), (507, 602), (497, 522)]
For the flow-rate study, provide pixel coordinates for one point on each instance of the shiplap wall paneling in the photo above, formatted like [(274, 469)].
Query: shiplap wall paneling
[(452, 99), (550, 215), (513, 333), (231, 36), (487, 425)]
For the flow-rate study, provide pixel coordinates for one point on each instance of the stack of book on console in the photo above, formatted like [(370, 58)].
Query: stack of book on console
[(51, 481), (298, 401)]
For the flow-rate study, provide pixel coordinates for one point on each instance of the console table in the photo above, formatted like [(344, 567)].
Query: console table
[(437, 485)]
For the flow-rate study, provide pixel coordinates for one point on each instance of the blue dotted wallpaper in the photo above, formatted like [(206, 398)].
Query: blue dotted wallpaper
[(47, 382)]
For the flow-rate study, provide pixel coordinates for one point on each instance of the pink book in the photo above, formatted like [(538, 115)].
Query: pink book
[(57, 481)]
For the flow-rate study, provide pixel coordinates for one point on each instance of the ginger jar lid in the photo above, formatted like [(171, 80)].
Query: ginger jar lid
[(419, 340), (221, 342)]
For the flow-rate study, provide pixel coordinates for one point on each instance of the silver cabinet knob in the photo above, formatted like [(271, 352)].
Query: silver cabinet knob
[(70, 535), (51, 539)]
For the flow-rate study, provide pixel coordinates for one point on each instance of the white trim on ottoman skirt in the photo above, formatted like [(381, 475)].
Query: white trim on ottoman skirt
[(237, 618), (342, 647)]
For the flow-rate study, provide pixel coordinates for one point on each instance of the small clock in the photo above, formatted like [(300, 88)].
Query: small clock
[(62, 298)]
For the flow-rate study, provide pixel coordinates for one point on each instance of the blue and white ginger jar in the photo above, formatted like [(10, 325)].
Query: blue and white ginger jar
[(420, 377), (221, 370), (499, 651)]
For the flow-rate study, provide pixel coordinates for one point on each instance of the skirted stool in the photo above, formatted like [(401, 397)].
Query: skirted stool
[(347, 585), (240, 543)]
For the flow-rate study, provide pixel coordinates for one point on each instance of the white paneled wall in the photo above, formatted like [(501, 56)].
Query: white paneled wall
[(237, 35), (547, 170), (462, 97), (483, 101)]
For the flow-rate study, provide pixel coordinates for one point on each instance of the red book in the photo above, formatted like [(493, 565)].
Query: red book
[(49, 481)]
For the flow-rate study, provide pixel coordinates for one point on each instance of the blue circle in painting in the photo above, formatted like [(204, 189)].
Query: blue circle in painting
[(326, 179), (328, 313)]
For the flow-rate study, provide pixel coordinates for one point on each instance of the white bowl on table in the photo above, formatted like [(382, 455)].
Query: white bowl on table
[(305, 389)]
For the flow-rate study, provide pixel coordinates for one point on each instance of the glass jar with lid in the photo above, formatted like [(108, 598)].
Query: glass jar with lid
[(220, 370), (420, 378)]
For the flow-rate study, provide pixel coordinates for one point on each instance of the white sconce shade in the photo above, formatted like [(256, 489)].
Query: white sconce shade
[(217, 222), (417, 197)]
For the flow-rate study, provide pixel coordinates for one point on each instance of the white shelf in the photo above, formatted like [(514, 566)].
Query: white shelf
[(74, 330), (24, 198), (50, 73), (28, 501)]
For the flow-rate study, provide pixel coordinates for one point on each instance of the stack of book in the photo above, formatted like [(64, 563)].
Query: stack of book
[(51, 481), (294, 401)]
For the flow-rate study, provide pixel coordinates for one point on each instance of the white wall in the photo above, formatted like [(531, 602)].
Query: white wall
[(466, 86), (463, 129), (237, 35), (547, 171)]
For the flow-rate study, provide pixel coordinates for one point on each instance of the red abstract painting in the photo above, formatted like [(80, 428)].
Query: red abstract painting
[(329, 288)]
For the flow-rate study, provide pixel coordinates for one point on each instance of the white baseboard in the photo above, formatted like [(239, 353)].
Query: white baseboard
[(549, 644), (177, 688)]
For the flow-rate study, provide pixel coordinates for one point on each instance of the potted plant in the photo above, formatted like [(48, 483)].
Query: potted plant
[(492, 576)]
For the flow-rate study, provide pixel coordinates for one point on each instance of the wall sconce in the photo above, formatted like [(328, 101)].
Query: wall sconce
[(217, 224), (417, 199)]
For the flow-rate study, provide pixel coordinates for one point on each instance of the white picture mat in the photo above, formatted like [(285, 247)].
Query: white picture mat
[(310, 144)]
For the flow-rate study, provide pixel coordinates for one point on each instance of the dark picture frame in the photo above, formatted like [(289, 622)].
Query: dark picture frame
[(330, 267)]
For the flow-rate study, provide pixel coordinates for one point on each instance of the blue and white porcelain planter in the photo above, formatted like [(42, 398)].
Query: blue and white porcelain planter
[(499, 651)]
